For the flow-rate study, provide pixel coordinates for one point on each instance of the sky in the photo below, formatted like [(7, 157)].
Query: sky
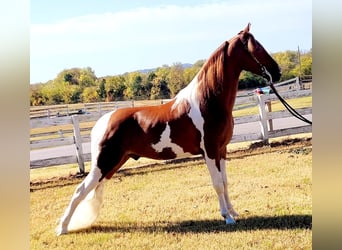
[(114, 37)]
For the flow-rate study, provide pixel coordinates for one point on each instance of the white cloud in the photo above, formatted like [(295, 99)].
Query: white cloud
[(178, 30), (171, 21)]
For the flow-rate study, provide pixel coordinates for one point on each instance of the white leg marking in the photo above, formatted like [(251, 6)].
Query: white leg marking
[(219, 181), (82, 191), (231, 212), (226, 194)]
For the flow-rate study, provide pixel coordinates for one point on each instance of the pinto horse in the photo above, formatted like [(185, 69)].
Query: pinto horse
[(198, 121)]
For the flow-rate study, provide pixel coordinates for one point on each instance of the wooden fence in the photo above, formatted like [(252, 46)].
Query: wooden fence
[(66, 130)]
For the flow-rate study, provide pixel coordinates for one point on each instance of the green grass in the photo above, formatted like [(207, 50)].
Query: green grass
[(174, 206)]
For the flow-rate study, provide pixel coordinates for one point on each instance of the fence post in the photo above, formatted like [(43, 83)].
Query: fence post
[(263, 118), (270, 121), (297, 84), (78, 143), (99, 108)]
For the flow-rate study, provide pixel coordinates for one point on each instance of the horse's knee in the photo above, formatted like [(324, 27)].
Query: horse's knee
[(79, 190), (219, 187)]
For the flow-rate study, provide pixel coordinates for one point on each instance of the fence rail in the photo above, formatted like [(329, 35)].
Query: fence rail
[(68, 131)]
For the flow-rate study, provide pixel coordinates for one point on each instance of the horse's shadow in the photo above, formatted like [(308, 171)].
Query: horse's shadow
[(285, 222)]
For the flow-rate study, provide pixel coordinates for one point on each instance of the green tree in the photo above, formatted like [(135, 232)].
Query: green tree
[(36, 96), (101, 90), (175, 79), (306, 64), (287, 61), (133, 85), (190, 73), (90, 94), (51, 93), (160, 87), (115, 87), (70, 76), (147, 84), (249, 80)]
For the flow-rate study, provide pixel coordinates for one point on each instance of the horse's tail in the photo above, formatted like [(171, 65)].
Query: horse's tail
[(88, 210)]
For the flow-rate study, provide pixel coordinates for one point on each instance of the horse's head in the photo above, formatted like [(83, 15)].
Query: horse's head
[(255, 58)]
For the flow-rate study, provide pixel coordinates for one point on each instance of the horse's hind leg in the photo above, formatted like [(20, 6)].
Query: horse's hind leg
[(87, 185)]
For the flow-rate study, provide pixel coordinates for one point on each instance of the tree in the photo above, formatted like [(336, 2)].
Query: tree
[(290, 66), (78, 84), (249, 80), (287, 62), (147, 84), (36, 96), (175, 79), (90, 94), (133, 85), (306, 64), (160, 87), (70, 76), (101, 91), (190, 73), (115, 87), (51, 93), (87, 77)]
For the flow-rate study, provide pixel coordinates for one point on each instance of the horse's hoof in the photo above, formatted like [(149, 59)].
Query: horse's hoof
[(60, 231), (230, 220), (233, 213)]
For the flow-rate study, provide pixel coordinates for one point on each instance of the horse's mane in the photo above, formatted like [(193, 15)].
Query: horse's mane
[(210, 77)]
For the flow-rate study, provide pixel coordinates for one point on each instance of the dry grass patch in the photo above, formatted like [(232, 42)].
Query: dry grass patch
[(174, 206)]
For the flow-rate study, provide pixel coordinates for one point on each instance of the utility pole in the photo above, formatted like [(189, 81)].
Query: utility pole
[(300, 64)]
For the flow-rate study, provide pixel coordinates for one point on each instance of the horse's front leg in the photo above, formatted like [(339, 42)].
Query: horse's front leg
[(231, 210), (217, 170)]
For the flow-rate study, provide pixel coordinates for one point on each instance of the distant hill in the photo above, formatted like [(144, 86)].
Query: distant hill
[(144, 71)]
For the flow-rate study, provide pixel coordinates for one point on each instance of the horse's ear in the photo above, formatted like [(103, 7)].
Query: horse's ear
[(245, 33), (246, 30)]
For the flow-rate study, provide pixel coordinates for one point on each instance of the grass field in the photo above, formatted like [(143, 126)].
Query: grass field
[(173, 206)]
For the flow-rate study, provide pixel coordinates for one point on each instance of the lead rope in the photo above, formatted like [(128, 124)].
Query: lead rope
[(287, 106)]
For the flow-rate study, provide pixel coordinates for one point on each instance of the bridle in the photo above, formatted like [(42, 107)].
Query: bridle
[(268, 77), (264, 71)]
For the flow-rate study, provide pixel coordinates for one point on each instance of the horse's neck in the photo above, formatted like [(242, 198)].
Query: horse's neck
[(225, 94), (226, 97), (230, 88)]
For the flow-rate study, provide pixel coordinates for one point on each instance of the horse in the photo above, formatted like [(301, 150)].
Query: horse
[(197, 121)]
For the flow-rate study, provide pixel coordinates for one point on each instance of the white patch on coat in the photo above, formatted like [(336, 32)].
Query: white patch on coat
[(189, 93), (165, 142), (97, 134)]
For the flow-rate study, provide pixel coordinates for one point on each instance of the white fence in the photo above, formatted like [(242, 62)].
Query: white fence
[(75, 135)]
